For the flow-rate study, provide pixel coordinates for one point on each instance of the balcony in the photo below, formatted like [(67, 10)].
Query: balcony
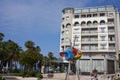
[(110, 23), (89, 42), (89, 33), (111, 42), (111, 32), (111, 49), (89, 50)]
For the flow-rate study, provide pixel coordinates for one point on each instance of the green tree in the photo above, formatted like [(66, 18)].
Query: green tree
[(31, 56), (9, 51), (1, 36), (3, 55), (50, 57), (12, 50), (29, 44)]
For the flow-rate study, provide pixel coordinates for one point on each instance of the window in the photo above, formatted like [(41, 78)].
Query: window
[(68, 25), (86, 47), (83, 16), (85, 31), (93, 31), (93, 39), (110, 21), (94, 15), (63, 18), (102, 38), (67, 32), (102, 14), (111, 29), (93, 9), (110, 8), (76, 39), (67, 11), (89, 23), (68, 46), (95, 22), (76, 31), (76, 16), (62, 40), (89, 15), (101, 9), (83, 23), (77, 11), (102, 22), (76, 24), (86, 39), (85, 10), (111, 38), (67, 18), (110, 14), (103, 46), (93, 47), (102, 29), (66, 40), (111, 46), (63, 26), (62, 33)]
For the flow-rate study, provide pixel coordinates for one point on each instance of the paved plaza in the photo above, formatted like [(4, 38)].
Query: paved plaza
[(59, 76)]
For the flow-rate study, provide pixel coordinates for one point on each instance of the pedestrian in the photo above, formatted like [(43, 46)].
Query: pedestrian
[(108, 78), (95, 78), (112, 78)]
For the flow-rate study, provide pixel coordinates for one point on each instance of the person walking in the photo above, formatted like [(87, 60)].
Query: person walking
[(108, 78), (95, 78), (112, 78)]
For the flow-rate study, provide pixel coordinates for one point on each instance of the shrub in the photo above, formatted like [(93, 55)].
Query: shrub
[(118, 79), (2, 78), (16, 71), (18, 74), (24, 74), (39, 75), (31, 73)]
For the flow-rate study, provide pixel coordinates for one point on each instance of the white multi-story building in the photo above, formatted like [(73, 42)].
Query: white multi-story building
[(96, 32)]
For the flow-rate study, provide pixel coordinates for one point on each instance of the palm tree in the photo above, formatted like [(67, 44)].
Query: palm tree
[(29, 44), (38, 48), (1, 36), (50, 55), (31, 56), (13, 50)]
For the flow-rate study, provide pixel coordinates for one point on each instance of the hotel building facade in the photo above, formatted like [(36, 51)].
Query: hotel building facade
[(96, 32)]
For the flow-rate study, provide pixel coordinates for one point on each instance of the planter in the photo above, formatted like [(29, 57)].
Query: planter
[(50, 75), (39, 79)]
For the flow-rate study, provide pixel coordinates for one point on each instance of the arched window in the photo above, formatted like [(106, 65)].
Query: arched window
[(102, 22), (89, 23), (67, 32), (63, 33), (83, 23), (63, 26), (95, 22), (68, 25), (62, 40), (76, 24), (67, 40)]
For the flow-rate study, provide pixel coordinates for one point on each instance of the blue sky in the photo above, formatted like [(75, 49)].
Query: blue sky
[(39, 20)]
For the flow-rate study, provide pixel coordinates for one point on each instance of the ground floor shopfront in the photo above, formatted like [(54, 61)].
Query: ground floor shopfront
[(102, 63)]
